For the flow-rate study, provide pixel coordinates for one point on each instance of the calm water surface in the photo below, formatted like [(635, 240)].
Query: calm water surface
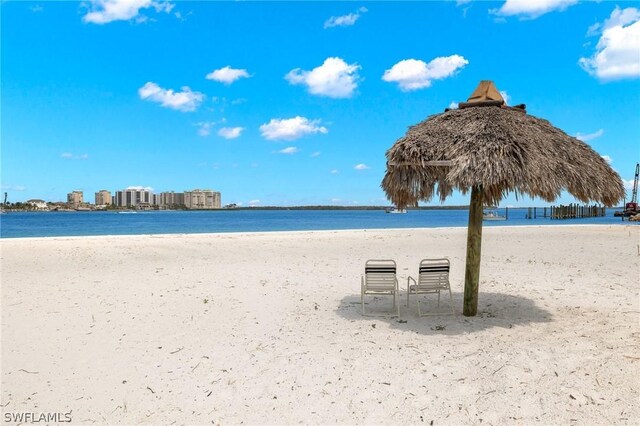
[(49, 224)]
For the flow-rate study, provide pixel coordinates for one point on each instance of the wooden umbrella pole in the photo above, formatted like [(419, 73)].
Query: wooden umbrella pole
[(474, 243)]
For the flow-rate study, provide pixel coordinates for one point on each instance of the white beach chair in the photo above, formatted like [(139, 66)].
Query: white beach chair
[(380, 279), (433, 277)]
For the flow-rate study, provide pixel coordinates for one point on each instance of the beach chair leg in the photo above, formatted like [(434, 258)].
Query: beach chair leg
[(394, 299), (397, 303), (438, 298), (451, 302), (362, 293), (408, 289)]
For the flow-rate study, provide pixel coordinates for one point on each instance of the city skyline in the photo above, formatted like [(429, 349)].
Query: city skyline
[(133, 197), (286, 104)]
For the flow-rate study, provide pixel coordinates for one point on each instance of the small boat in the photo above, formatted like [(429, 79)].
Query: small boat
[(394, 210), (128, 212), (491, 213)]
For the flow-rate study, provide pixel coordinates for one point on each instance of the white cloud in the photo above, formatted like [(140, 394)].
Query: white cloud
[(334, 78), (289, 150), (105, 11), (594, 30), (344, 20), (464, 5), (186, 100), (35, 9), (628, 184), (230, 132), (336, 200), (291, 128), (315, 154), (204, 127), (589, 136), (361, 166), (227, 75), (14, 188), (253, 203), (608, 159), (617, 53), (71, 156), (183, 17), (412, 74), (531, 9), (140, 188), (453, 105), (334, 171), (506, 97)]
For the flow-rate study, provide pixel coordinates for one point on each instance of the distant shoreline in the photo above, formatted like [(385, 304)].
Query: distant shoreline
[(315, 208)]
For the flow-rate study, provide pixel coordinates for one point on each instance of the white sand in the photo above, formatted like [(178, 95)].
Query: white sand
[(266, 328)]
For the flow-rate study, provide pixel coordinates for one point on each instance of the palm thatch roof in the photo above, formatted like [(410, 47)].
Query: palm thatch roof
[(502, 149)]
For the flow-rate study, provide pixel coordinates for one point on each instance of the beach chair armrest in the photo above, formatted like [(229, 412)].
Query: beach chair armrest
[(410, 278)]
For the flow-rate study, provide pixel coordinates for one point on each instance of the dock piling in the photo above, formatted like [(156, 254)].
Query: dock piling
[(575, 211)]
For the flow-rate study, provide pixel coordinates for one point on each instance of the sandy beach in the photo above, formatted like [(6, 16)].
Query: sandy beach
[(266, 328)]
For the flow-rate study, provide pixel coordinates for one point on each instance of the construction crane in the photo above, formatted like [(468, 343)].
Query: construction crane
[(632, 206)]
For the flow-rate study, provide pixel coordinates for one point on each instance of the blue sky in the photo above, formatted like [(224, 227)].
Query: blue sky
[(291, 103)]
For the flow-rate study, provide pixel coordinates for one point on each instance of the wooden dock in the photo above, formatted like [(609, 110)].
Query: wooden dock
[(575, 211), (571, 211)]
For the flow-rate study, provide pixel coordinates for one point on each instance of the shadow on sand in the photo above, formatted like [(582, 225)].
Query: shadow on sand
[(494, 310)]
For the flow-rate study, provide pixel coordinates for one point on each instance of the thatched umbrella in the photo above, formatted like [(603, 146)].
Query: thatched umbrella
[(492, 149)]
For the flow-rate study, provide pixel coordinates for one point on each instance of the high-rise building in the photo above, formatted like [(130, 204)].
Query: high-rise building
[(171, 199), (103, 198), (202, 199), (133, 198), (74, 199)]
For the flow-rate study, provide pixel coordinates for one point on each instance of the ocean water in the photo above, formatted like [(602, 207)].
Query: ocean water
[(50, 224)]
